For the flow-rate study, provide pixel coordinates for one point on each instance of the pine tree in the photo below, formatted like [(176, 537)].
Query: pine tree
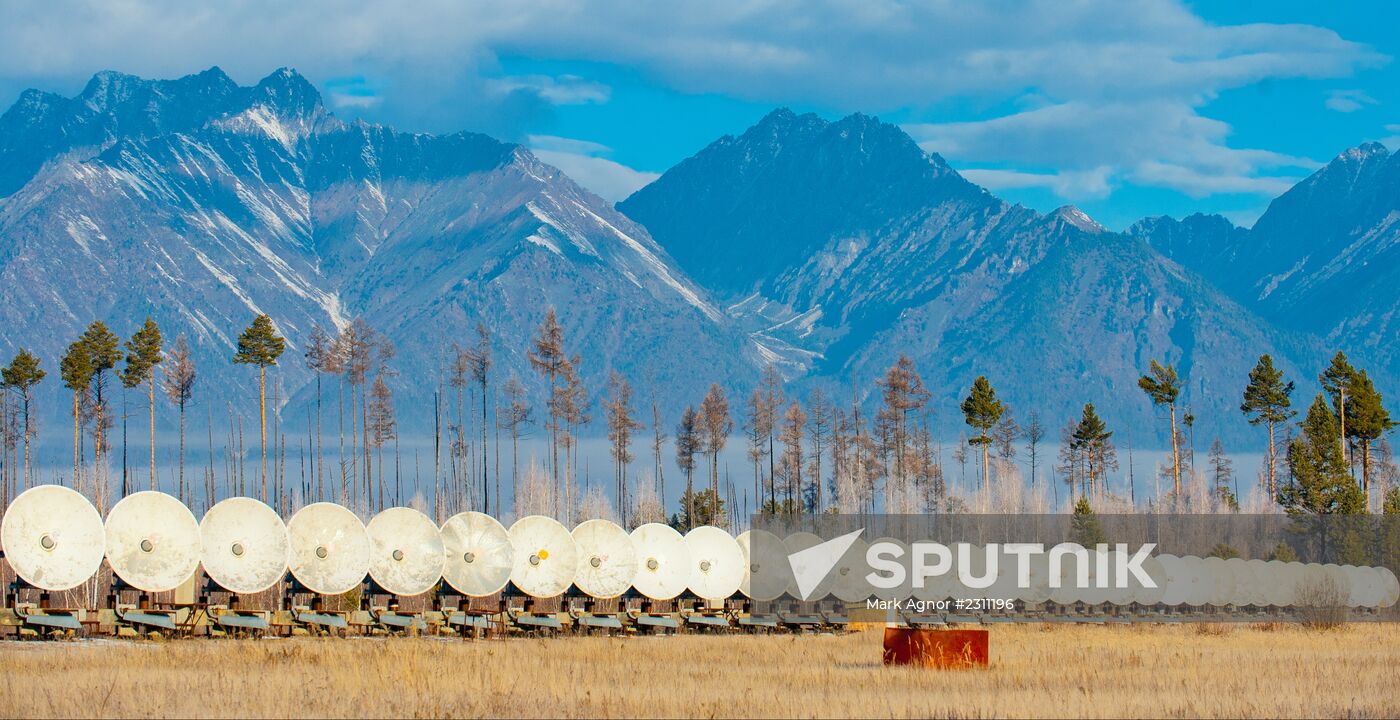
[(178, 385), (1369, 420), (1091, 438), (103, 351), (1222, 473), (260, 345), (22, 374), (1319, 484), (1267, 401), (982, 410), (698, 509), (1163, 387), (1337, 381), (143, 353), (1085, 528), (76, 370), (716, 424)]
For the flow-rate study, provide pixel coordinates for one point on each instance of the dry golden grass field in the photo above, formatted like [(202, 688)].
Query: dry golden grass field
[(1043, 671)]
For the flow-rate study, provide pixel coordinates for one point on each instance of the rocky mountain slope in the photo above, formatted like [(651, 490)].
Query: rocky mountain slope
[(202, 204), (851, 246), (1324, 258)]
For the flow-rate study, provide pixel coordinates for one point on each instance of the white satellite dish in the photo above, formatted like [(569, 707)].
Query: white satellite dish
[(1070, 590), (1379, 586), (905, 589), (664, 569), (52, 537), (716, 563), (1291, 580), (1121, 589), (480, 556), (607, 559), (1275, 576), (1390, 588), (1141, 593), (1354, 585), (767, 574), (1221, 576), (796, 543), (330, 548), (152, 541), (1308, 590), (1198, 581), (975, 567), (1100, 578), (1038, 589), (1007, 583), (1174, 573), (1336, 576), (406, 551), (1252, 585), (546, 557), (245, 545)]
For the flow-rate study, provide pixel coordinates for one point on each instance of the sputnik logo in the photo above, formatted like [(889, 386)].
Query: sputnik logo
[(811, 566)]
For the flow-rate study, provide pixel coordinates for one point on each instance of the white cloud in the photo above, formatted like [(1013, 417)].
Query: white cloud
[(1120, 82), (1345, 101), (1392, 142), (562, 90), (1073, 185), (1163, 143), (582, 160), (872, 55), (347, 100)]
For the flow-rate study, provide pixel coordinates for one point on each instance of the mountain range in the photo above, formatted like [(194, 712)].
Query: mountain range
[(1323, 259), (202, 204), (825, 248)]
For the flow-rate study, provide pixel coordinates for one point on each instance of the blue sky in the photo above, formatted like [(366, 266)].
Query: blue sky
[(1125, 109)]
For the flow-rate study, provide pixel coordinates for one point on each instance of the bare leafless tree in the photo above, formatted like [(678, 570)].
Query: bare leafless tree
[(178, 384)]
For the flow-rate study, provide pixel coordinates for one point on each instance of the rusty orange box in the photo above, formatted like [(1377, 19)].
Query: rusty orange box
[(942, 649)]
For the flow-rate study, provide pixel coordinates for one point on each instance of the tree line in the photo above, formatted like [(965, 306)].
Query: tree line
[(806, 455)]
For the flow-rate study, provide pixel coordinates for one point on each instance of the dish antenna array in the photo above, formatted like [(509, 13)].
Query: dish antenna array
[(55, 540), (245, 545), (153, 541), (406, 551), (664, 569), (480, 556), (765, 580), (716, 563), (607, 559), (546, 557), (330, 549)]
